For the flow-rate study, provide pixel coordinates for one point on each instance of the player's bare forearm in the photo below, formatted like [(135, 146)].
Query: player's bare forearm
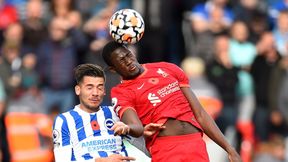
[(209, 126), (212, 131), (131, 119)]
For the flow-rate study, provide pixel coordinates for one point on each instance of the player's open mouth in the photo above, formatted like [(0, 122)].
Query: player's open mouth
[(132, 67)]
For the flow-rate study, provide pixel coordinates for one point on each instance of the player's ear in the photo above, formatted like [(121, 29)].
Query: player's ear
[(77, 90)]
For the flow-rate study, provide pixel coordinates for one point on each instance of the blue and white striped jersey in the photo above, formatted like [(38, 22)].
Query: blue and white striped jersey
[(82, 136)]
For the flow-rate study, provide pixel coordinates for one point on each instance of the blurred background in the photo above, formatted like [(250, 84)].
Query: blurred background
[(235, 53)]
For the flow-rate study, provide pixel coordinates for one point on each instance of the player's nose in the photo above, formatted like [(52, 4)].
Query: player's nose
[(96, 92)]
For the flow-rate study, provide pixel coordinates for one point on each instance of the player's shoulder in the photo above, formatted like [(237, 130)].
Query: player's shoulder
[(63, 116), (159, 64), (109, 110), (106, 107)]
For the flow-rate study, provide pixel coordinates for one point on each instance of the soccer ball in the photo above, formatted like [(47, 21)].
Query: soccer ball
[(126, 26)]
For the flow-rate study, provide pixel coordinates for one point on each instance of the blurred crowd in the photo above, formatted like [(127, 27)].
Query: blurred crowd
[(235, 53)]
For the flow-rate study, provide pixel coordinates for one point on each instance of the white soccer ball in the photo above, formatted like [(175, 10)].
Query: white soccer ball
[(126, 26)]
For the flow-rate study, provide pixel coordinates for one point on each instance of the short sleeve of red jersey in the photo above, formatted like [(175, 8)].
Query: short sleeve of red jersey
[(178, 73), (122, 99)]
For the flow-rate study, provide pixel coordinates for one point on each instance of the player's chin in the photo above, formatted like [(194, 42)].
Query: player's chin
[(133, 73), (94, 103)]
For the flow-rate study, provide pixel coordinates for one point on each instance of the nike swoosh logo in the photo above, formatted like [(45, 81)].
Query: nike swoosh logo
[(141, 86)]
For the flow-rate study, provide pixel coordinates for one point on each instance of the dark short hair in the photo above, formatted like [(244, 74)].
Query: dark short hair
[(108, 49), (92, 70)]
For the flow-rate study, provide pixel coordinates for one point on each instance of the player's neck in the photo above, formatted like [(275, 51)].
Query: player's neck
[(89, 109)]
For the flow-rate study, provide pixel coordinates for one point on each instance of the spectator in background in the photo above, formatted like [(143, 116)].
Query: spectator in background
[(22, 10), (66, 9), (242, 54), (14, 34), (25, 112), (208, 20), (261, 70), (275, 8), (223, 75), (10, 68), (253, 13), (97, 29), (56, 58), (241, 51), (202, 39), (8, 15), (216, 13), (34, 25), (280, 33), (283, 93), (207, 93), (277, 101), (245, 9), (258, 26), (11, 79), (30, 77)]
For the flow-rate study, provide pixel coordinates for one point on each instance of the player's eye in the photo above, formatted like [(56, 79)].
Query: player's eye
[(122, 60), (130, 54), (101, 88), (89, 87)]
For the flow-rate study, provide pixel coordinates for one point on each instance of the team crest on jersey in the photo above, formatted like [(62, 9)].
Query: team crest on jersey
[(56, 136), (109, 123), (161, 72)]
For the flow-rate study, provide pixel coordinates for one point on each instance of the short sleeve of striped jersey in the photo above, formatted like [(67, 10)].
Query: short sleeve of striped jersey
[(61, 140)]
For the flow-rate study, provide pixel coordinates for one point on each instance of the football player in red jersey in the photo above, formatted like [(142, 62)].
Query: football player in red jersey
[(159, 93)]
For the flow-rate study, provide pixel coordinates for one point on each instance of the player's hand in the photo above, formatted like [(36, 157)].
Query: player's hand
[(115, 158), (120, 128), (152, 128), (234, 156)]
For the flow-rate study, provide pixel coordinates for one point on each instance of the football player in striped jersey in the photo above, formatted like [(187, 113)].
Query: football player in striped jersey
[(90, 132)]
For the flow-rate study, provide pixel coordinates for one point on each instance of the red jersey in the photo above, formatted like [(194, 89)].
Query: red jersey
[(155, 95)]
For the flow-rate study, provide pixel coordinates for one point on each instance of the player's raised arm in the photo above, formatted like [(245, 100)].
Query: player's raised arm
[(209, 126)]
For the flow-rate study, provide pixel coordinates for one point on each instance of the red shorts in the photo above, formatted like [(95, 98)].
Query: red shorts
[(183, 148)]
